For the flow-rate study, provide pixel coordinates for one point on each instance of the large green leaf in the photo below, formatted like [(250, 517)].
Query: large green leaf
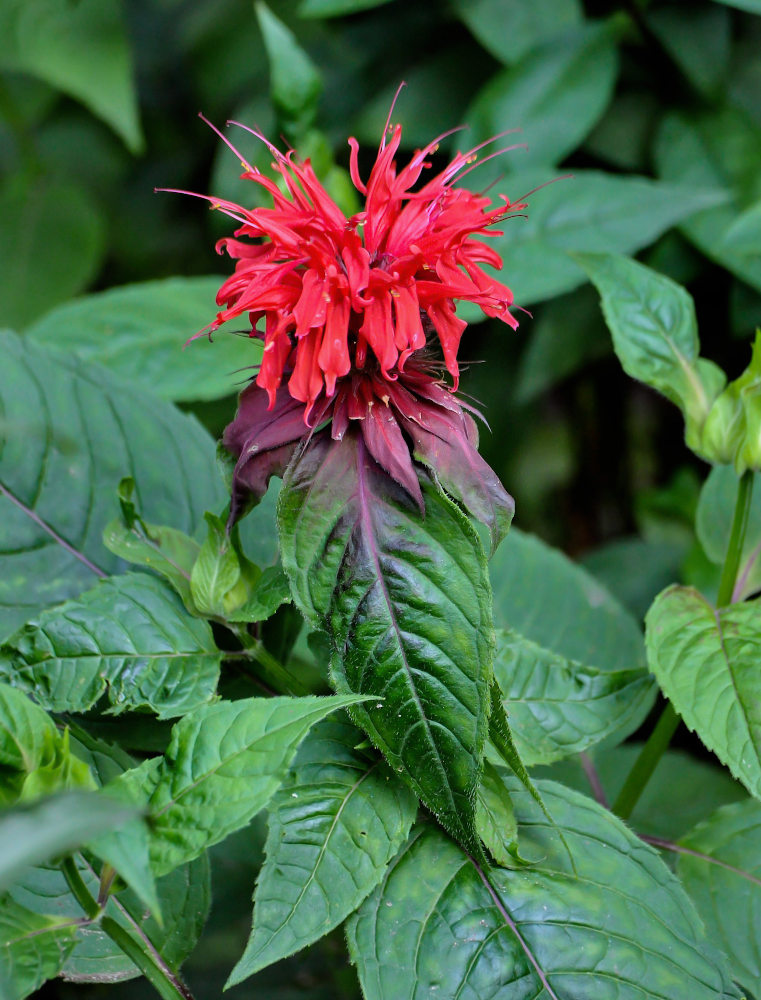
[(719, 150), (223, 764), (511, 30), (184, 895), (706, 661), (295, 82), (334, 825), (655, 334), (713, 523), (33, 948), (570, 660), (554, 95), (128, 639), (698, 38), (81, 48), (619, 925), (753, 6), (139, 332), (589, 212), (41, 219), (720, 867), (69, 433), (32, 833), (407, 601)]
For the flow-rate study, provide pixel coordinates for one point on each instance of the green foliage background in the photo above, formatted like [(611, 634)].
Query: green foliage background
[(648, 112)]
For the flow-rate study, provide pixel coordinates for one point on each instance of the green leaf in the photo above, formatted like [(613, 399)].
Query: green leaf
[(622, 926), (720, 867), (554, 94), (713, 523), (333, 827), (217, 581), (81, 48), (570, 660), (719, 150), (184, 895), (706, 661), (295, 81), (495, 817), (655, 335), (41, 219), (744, 235), (35, 758), (699, 41), (33, 948), (752, 6), (223, 764), (129, 639), (69, 433), (32, 833), (635, 569), (407, 602), (270, 592), (590, 212), (336, 8), (140, 333), (510, 31)]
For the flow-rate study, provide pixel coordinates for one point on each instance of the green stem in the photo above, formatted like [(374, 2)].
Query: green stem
[(79, 890), (667, 725), (646, 763), (156, 971), (736, 539), (273, 672)]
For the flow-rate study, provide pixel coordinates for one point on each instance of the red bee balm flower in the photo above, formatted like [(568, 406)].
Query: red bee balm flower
[(349, 304)]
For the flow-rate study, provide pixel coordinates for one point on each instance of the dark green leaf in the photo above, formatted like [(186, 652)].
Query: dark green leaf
[(81, 48), (714, 523), (223, 764), (50, 227), (295, 82), (719, 150), (336, 8), (635, 569), (128, 639), (140, 331), (753, 6), (620, 926), (698, 38), (407, 602), (655, 335), (69, 433), (570, 661), (495, 817), (334, 825), (32, 833), (720, 866), (510, 31), (589, 212), (554, 95), (33, 948), (744, 235), (184, 895), (706, 661)]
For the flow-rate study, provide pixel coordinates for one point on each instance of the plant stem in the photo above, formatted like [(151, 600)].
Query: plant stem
[(273, 672), (161, 977), (736, 539), (646, 763), (667, 725), (79, 890)]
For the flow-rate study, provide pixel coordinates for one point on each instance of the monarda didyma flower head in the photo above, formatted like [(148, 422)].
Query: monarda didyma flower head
[(349, 309)]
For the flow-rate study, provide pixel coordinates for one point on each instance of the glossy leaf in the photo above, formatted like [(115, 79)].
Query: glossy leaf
[(223, 764), (570, 660), (140, 333), (590, 212), (410, 621), (620, 926), (35, 832), (33, 948), (79, 48), (70, 432), (184, 895), (40, 219), (655, 335), (720, 867), (510, 31), (719, 150), (713, 523), (554, 95), (706, 661), (128, 640), (334, 825)]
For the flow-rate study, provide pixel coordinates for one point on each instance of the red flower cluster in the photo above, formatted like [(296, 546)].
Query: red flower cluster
[(348, 304)]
